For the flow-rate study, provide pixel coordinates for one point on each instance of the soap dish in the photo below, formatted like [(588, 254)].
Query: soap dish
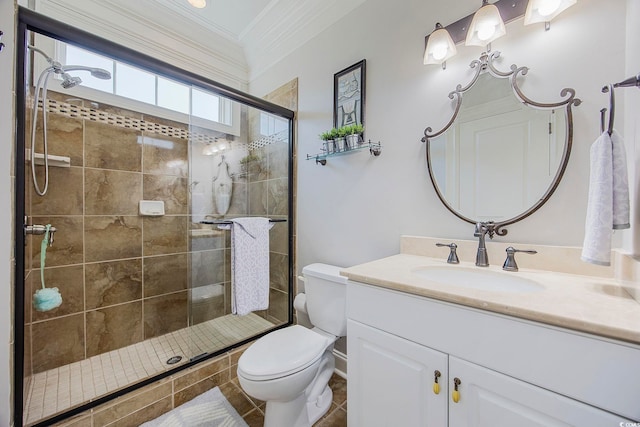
[(151, 207)]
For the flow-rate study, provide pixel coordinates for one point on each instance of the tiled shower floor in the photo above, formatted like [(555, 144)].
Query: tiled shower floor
[(60, 389)]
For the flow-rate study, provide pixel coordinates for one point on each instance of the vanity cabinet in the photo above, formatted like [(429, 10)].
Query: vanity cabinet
[(511, 372), (391, 380)]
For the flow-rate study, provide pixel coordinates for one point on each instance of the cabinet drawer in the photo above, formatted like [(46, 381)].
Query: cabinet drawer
[(600, 372)]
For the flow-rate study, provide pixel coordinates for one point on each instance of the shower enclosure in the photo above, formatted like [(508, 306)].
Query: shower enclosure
[(137, 168)]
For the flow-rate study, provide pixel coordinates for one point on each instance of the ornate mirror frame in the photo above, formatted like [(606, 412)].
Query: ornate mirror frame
[(486, 64)]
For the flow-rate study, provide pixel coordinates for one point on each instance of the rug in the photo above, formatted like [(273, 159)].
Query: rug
[(210, 409)]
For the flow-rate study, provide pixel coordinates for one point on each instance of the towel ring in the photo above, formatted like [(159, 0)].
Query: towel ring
[(612, 110)]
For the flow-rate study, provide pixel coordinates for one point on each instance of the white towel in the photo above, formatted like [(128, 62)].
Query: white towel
[(608, 205), (249, 264), (620, 184)]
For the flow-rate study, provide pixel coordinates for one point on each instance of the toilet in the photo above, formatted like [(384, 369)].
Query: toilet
[(290, 368)]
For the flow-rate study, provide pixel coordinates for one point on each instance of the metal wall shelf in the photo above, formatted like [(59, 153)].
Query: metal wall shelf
[(375, 148)]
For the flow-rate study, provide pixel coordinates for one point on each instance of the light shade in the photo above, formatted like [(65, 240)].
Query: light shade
[(198, 3), (545, 10), (486, 26), (440, 46)]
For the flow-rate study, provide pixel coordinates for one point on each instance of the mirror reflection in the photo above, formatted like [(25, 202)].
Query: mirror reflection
[(501, 155)]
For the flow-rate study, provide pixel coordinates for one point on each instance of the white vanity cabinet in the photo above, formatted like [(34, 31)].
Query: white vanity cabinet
[(391, 380), (511, 372)]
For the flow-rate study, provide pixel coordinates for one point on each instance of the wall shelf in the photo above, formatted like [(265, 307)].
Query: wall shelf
[(375, 149)]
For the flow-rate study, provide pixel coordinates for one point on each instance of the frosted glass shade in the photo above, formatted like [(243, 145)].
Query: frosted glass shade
[(440, 46), (198, 3), (486, 26), (545, 10)]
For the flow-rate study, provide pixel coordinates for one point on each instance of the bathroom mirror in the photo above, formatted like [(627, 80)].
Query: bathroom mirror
[(501, 155)]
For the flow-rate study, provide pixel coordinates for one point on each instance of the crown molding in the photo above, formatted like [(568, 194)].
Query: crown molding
[(150, 32), (286, 25)]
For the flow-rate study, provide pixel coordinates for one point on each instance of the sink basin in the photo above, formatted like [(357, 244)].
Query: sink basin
[(477, 278)]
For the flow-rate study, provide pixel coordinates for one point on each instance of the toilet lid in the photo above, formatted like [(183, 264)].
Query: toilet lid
[(281, 353)]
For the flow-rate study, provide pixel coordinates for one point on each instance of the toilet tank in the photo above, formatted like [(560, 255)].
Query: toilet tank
[(326, 292)]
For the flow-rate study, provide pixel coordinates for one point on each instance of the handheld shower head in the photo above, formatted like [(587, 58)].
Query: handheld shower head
[(70, 81), (98, 73)]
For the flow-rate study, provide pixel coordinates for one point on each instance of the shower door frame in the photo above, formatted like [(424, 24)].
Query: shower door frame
[(29, 20)]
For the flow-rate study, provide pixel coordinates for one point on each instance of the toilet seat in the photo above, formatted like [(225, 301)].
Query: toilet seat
[(281, 353)]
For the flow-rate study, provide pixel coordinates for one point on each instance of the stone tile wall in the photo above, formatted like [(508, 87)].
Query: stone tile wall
[(123, 277)]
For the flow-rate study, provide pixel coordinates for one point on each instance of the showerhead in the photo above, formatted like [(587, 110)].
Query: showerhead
[(70, 81), (98, 73)]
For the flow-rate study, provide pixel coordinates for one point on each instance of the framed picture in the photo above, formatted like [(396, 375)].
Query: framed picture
[(348, 95)]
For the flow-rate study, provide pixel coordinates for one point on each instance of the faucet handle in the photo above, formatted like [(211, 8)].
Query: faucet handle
[(510, 262), (453, 256)]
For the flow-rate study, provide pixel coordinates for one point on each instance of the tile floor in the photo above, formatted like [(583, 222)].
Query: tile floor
[(60, 389), (252, 410)]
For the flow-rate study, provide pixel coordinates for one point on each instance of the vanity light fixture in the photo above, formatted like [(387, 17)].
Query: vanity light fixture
[(198, 3), (440, 47), (209, 149), (545, 11), (486, 26), (507, 10), (217, 146)]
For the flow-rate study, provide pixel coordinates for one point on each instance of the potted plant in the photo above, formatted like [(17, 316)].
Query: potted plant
[(341, 133), (353, 135), (248, 160), (329, 143)]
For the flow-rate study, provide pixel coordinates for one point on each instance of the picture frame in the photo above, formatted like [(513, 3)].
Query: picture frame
[(349, 95)]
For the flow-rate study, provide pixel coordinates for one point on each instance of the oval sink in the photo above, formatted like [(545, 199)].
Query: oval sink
[(473, 278)]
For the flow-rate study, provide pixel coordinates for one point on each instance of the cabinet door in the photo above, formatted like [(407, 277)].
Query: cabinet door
[(491, 399), (391, 381)]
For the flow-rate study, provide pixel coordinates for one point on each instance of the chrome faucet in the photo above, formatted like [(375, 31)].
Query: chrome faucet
[(481, 230)]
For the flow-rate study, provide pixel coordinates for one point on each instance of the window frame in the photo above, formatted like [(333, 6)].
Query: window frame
[(228, 110)]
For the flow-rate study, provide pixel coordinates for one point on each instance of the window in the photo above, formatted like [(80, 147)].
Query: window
[(271, 125), (135, 88)]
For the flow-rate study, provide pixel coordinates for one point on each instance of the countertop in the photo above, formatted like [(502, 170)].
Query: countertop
[(583, 303)]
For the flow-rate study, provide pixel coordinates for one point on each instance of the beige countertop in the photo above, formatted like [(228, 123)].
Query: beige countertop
[(589, 304)]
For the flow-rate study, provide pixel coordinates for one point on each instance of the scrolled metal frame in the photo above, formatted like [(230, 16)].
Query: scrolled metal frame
[(486, 64)]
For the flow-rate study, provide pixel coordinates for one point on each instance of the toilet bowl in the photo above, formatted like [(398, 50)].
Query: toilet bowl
[(290, 368)]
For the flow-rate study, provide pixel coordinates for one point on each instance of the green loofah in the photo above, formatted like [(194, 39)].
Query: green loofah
[(46, 299)]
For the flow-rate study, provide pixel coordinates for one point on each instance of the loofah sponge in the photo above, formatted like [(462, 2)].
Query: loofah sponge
[(47, 299)]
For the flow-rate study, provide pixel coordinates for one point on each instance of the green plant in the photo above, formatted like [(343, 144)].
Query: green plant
[(343, 131), (353, 129), (334, 133), (249, 158), (325, 136)]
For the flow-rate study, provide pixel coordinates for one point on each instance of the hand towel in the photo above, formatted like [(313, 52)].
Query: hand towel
[(605, 198), (620, 184), (249, 264)]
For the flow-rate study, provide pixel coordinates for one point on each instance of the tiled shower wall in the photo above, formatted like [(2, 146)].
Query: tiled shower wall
[(160, 397), (124, 277), (268, 195)]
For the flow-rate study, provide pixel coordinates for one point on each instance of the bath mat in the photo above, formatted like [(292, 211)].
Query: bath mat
[(209, 409)]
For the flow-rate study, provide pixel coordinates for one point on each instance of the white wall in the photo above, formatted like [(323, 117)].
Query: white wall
[(632, 128), (7, 25), (355, 208)]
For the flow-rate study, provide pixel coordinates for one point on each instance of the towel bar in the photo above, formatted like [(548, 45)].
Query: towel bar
[(227, 222)]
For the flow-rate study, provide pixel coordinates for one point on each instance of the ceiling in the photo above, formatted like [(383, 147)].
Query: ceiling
[(231, 40), (229, 18)]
